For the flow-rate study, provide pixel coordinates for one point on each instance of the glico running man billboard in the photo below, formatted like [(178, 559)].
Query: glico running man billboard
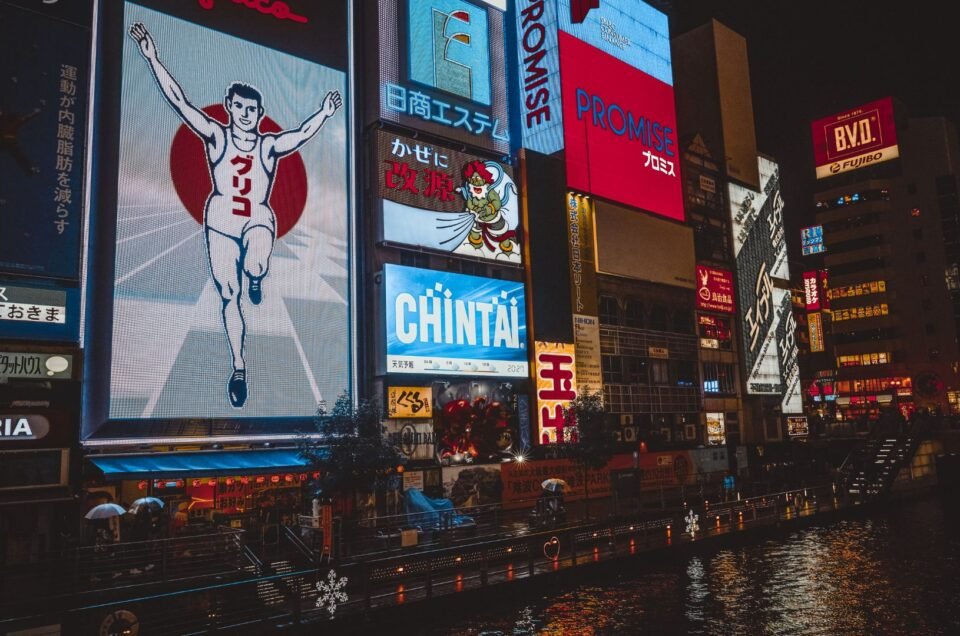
[(761, 256), (230, 277), (440, 323), (854, 139), (437, 197)]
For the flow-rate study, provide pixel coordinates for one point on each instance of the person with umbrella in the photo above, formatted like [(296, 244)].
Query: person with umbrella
[(551, 500)]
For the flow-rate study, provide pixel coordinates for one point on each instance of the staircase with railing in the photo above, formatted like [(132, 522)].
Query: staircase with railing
[(871, 468)]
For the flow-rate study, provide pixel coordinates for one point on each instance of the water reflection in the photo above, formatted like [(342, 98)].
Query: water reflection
[(893, 574)]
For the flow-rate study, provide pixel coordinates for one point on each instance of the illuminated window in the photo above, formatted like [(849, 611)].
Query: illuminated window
[(719, 378), (864, 359), (859, 313)]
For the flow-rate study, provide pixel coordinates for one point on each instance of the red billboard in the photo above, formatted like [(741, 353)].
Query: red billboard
[(811, 291), (855, 138), (619, 130), (715, 289)]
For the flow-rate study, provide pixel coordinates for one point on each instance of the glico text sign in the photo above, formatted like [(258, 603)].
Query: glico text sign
[(854, 139), (452, 324), (619, 130)]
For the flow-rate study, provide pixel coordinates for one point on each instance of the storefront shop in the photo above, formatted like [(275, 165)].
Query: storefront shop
[(256, 491)]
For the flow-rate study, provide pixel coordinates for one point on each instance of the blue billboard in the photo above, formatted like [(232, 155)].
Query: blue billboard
[(629, 30), (441, 323), (44, 60)]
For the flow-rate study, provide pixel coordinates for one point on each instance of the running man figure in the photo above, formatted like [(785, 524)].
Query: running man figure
[(239, 224)]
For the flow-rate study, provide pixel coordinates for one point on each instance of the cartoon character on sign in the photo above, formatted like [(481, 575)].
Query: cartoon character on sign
[(490, 196), (239, 222)]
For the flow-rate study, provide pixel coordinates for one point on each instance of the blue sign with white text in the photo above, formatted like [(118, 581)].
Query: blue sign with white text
[(453, 324)]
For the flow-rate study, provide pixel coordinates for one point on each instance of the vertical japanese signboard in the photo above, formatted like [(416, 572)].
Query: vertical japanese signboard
[(791, 401), (761, 257), (583, 292), (437, 197), (815, 328), (44, 65), (556, 389)]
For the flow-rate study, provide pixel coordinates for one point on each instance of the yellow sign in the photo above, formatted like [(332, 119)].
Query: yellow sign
[(815, 327), (409, 401)]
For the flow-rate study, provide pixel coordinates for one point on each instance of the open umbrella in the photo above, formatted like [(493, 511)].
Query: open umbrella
[(554, 484), (150, 503), (105, 511)]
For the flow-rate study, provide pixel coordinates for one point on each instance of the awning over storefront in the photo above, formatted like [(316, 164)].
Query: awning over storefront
[(212, 463)]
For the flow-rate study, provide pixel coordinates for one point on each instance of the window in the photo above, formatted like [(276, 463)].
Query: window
[(684, 372), (635, 371), (683, 321), (858, 313), (860, 289), (659, 372), (633, 314), (609, 310), (911, 188), (864, 359), (719, 377), (612, 370), (415, 259), (714, 332), (658, 318)]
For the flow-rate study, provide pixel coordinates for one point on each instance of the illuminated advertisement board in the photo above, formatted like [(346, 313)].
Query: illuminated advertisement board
[(815, 329), (446, 200), (811, 240), (761, 257), (715, 289), (628, 30), (855, 138), (40, 310), (442, 323), (716, 429), (442, 70), (43, 110), (798, 426), (228, 286), (556, 389), (758, 221), (620, 131), (792, 401), (811, 291)]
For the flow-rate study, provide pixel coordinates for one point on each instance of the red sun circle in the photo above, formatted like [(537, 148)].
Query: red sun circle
[(191, 176)]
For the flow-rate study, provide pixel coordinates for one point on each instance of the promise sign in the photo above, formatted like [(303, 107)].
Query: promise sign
[(855, 138)]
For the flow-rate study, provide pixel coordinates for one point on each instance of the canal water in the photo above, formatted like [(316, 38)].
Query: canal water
[(896, 572)]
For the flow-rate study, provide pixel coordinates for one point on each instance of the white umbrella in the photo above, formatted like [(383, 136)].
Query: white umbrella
[(105, 511), (150, 503), (554, 484)]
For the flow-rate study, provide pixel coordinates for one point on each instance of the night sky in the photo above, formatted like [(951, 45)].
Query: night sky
[(812, 58)]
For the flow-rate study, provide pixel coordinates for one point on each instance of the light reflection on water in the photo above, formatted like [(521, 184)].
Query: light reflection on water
[(896, 573)]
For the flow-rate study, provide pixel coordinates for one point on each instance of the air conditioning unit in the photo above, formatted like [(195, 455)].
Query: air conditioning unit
[(691, 431), (665, 434), (626, 419), (630, 434)]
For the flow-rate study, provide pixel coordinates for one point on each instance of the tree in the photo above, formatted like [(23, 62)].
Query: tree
[(352, 453), (594, 445)]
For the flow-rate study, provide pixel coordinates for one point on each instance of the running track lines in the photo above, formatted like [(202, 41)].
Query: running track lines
[(146, 264)]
